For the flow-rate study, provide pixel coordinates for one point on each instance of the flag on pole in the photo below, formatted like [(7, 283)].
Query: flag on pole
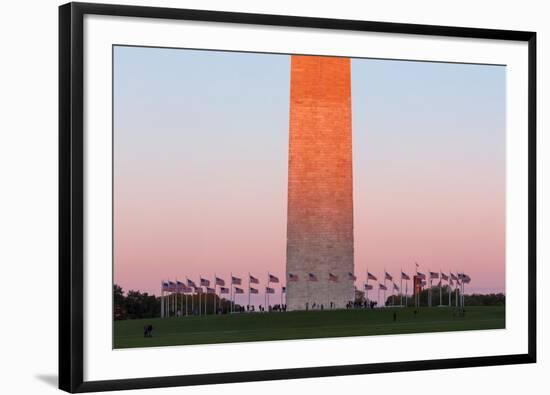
[(239, 290), (210, 290), (451, 282), (444, 277), (191, 283), (180, 287), (332, 277), (388, 276), (382, 287), (371, 276), (395, 287), (220, 282), (172, 286), (198, 290), (205, 282), (464, 277), (292, 277), (253, 290), (224, 290), (269, 290), (421, 276), (273, 279), (434, 275), (423, 283), (368, 287), (165, 286), (453, 277), (312, 277), (253, 280), (235, 280), (417, 265), (405, 276), (351, 276)]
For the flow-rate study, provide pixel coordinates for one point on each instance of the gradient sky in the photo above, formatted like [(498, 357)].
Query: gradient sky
[(200, 167)]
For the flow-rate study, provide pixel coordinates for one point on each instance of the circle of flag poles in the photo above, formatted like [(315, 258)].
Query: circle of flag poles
[(174, 295)]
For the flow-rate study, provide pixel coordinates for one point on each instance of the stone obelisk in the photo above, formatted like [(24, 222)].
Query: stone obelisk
[(320, 185)]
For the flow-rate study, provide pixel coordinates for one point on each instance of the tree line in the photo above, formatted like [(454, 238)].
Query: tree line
[(493, 299)]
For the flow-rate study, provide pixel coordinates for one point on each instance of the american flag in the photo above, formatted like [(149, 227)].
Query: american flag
[(453, 277), (224, 290), (239, 290), (351, 276), (199, 290), (405, 276), (312, 277), (210, 290), (434, 275), (235, 280), (421, 276), (444, 277), (220, 282), (292, 277), (332, 277), (273, 279), (395, 287), (382, 287), (269, 290), (388, 276), (172, 286), (191, 283), (253, 280), (368, 287), (465, 278), (180, 287), (165, 286), (205, 282), (371, 276), (283, 289), (252, 290)]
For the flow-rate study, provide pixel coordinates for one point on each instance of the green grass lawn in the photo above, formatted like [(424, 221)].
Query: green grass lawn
[(245, 327)]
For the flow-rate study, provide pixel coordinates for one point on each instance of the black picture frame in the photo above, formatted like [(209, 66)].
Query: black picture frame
[(71, 195)]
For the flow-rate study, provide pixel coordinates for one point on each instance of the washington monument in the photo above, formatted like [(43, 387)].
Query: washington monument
[(319, 259)]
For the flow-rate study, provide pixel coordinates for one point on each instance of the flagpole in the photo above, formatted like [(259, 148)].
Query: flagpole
[(401, 288), (449, 287), (367, 288), (249, 291), (456, 289), (440, 290), (231, 293), (267, 295), (406, 292), (384, 287)]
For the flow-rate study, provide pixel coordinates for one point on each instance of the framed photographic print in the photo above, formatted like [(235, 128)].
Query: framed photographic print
[(312, 197)]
